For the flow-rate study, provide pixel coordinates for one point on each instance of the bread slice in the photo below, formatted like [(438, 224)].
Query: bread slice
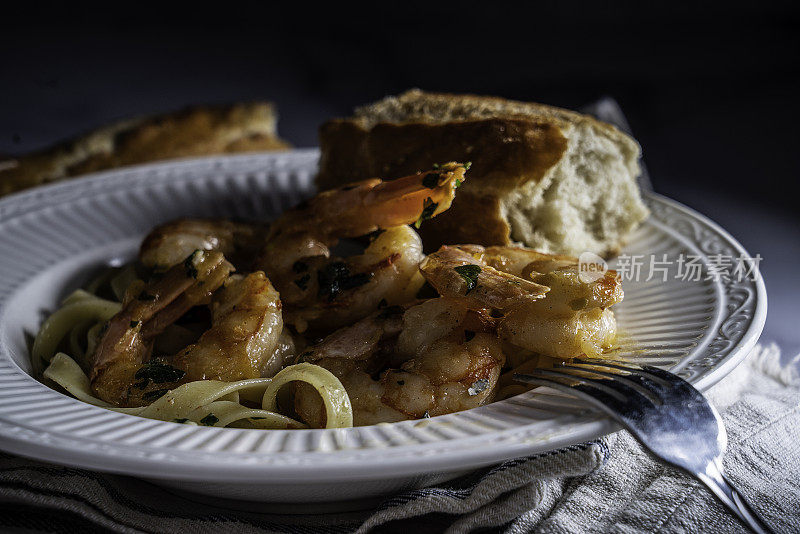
[(548, 178), (191, 132)]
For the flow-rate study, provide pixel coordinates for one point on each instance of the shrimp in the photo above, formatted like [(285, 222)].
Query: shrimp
[(455, 273), (324, 292), (568, 292), (571, 318), (170, 243), (362, 207), (243, 341), (337, 292), (127, 340), (443, 358), (246, 327)]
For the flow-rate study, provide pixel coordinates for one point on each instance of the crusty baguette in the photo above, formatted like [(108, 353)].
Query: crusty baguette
[(191, 132), (548, 178)]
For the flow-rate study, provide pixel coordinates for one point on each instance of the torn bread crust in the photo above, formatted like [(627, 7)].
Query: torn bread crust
[(544, 177), (551, 179)]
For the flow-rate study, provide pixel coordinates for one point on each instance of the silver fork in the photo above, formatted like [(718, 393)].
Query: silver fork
[(668, 416)]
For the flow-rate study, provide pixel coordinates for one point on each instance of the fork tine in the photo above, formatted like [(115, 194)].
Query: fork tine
[(664, 380), (643, 384), (599, 399), (613, 398), (621, 388), (606, 363), (662, 374)]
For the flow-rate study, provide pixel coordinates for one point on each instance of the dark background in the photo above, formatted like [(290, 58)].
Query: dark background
[(711, 91)]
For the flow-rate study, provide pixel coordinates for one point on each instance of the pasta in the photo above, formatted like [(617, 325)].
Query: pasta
[(77, 309), (202, 402)]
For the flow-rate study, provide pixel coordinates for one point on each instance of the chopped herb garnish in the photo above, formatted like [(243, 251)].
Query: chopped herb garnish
[(468, 335), (181, 420), (431, 180), (467, 165), (146, 296), (436, 166), (209, 420), (335, 278), (156, 394), (159, 373), (478, 386), (428, 209), (470, 275), (188, 264), (302, 282), (134, 324)]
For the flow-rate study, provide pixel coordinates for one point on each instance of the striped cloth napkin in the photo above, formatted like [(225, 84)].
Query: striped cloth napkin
[(608, 485)]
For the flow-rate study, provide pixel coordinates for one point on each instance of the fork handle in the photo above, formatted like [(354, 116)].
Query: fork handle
[(727, 494)]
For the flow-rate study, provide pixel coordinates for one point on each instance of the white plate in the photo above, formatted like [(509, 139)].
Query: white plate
[(50, 236)]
